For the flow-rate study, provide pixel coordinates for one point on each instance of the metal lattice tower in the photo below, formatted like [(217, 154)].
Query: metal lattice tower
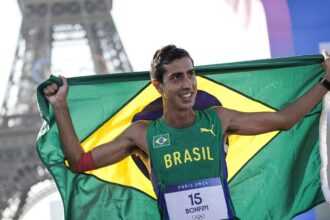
[(44, 23)]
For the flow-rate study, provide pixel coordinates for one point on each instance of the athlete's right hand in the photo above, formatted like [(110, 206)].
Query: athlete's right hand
[(55, 94)]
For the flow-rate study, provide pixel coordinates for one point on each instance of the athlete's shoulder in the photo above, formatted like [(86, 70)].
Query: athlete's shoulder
[(218, 109), (136, 132), (141, 124), (212, 110)]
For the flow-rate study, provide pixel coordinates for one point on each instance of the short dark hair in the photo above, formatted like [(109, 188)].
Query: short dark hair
[(164, 56)]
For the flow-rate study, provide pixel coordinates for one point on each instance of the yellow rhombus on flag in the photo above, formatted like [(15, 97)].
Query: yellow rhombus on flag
[(125, 172)]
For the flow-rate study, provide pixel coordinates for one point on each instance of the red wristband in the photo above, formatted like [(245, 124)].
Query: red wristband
[(85, 163)]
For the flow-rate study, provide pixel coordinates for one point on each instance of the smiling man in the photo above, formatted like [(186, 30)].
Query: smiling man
[(185, 146)]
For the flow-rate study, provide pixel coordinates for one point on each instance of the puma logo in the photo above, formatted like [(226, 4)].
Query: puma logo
[(208, 130)]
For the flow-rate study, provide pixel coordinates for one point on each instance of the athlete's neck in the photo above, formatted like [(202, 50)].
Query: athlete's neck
[(179, 119)]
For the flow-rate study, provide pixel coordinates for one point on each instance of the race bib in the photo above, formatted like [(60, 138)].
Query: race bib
[(196, 200)]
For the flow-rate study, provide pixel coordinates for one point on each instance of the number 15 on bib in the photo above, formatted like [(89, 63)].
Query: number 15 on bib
[(196, 200)]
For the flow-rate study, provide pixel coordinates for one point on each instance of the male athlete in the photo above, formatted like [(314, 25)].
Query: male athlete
[(185, 147)]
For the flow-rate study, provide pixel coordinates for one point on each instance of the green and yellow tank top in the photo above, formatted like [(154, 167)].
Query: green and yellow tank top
[(181, 156)]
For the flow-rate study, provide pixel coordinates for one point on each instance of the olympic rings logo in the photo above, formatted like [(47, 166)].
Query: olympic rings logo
[(198, 217)]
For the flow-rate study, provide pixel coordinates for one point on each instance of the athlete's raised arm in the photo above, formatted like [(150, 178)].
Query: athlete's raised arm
[(125, 144), (235, 122)]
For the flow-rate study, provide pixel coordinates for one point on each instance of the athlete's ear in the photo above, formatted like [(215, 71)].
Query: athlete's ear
[(157, 85)]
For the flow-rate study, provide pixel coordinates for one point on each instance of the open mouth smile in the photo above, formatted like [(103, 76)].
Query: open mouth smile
[(186, 95)]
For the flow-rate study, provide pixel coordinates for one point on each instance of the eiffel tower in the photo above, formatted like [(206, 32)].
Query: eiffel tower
[(45, 23)]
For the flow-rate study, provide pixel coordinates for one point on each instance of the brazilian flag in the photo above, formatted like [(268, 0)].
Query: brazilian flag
[(276, 175)]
